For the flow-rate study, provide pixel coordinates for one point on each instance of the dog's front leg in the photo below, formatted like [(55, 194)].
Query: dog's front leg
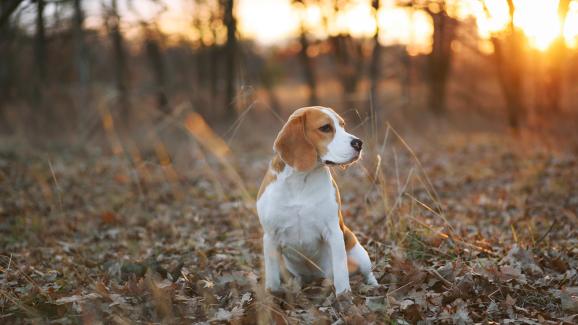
[(272, 268), (339, 262)]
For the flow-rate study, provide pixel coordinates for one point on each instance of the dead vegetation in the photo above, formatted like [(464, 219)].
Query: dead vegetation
[(471, 229)]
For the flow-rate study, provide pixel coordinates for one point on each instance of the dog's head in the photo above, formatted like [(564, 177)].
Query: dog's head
[(316, 135)]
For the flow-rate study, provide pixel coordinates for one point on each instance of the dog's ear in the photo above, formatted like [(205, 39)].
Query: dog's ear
[(293, 145)]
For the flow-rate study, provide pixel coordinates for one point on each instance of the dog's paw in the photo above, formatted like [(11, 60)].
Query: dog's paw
[(371, 281)]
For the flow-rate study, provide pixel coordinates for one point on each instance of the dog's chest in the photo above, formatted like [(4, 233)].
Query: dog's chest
[(299, 215), (299, 224)]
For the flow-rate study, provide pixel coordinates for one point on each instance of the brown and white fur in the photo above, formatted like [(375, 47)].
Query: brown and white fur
[(299, 205)]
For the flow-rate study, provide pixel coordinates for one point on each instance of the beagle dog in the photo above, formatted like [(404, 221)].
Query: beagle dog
[(299, 206)]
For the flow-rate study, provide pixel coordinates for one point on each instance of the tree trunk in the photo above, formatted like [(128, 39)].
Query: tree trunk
[(7, 8), (40, 113), (509, 59), (507, 55), (308, 68), (7, 69), (158, 70), (440, 59), (375, 70), (120, 69), (81, 55), (510, 66), (80, 58), (230, 58), (556, 58), (552, 81), (40, 44), (349, 56)]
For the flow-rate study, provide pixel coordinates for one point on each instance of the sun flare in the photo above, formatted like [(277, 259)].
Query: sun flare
[(274, 21), (539, 20)]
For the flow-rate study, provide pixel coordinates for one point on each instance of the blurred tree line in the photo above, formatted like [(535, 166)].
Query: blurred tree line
[(55, 71)]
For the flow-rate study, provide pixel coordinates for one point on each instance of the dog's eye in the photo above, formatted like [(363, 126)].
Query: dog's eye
[(326, 128)]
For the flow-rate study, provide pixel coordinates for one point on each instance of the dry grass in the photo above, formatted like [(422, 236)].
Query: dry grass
[(161, 227)]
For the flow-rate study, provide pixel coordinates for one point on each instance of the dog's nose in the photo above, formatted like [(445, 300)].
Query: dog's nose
[(356, 144)]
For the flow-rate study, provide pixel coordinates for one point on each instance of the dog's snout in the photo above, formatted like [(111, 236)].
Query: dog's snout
[(356, 144)]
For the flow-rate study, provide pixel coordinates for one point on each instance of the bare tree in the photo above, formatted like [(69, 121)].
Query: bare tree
[(80, 53), (7, 69), (350, 61), (375, 66), (440, 58), (510, 65), (208, 58), (40, 110), (40, 43), (7, 8), (120, 69), (230, 57), (556, 59), (308, 67), (157, 67), (306, 60)]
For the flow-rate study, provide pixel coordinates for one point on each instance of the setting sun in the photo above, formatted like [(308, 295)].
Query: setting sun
[(538, 19), (274, 21)]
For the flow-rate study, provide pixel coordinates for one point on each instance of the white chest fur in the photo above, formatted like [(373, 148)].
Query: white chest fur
[(299, 215), (299, 208)]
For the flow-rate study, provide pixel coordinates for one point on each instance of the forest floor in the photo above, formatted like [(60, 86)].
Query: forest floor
[(473, 228)]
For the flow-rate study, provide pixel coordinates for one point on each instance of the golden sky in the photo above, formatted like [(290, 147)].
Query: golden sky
[(275, 21)]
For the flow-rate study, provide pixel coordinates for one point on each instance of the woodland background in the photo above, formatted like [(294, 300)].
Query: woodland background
[(131, 155)]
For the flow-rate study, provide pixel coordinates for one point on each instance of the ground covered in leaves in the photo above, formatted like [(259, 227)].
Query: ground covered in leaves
[(470, 229)]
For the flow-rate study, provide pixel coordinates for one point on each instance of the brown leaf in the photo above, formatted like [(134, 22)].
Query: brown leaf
[(101, 289), (109, 218)]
